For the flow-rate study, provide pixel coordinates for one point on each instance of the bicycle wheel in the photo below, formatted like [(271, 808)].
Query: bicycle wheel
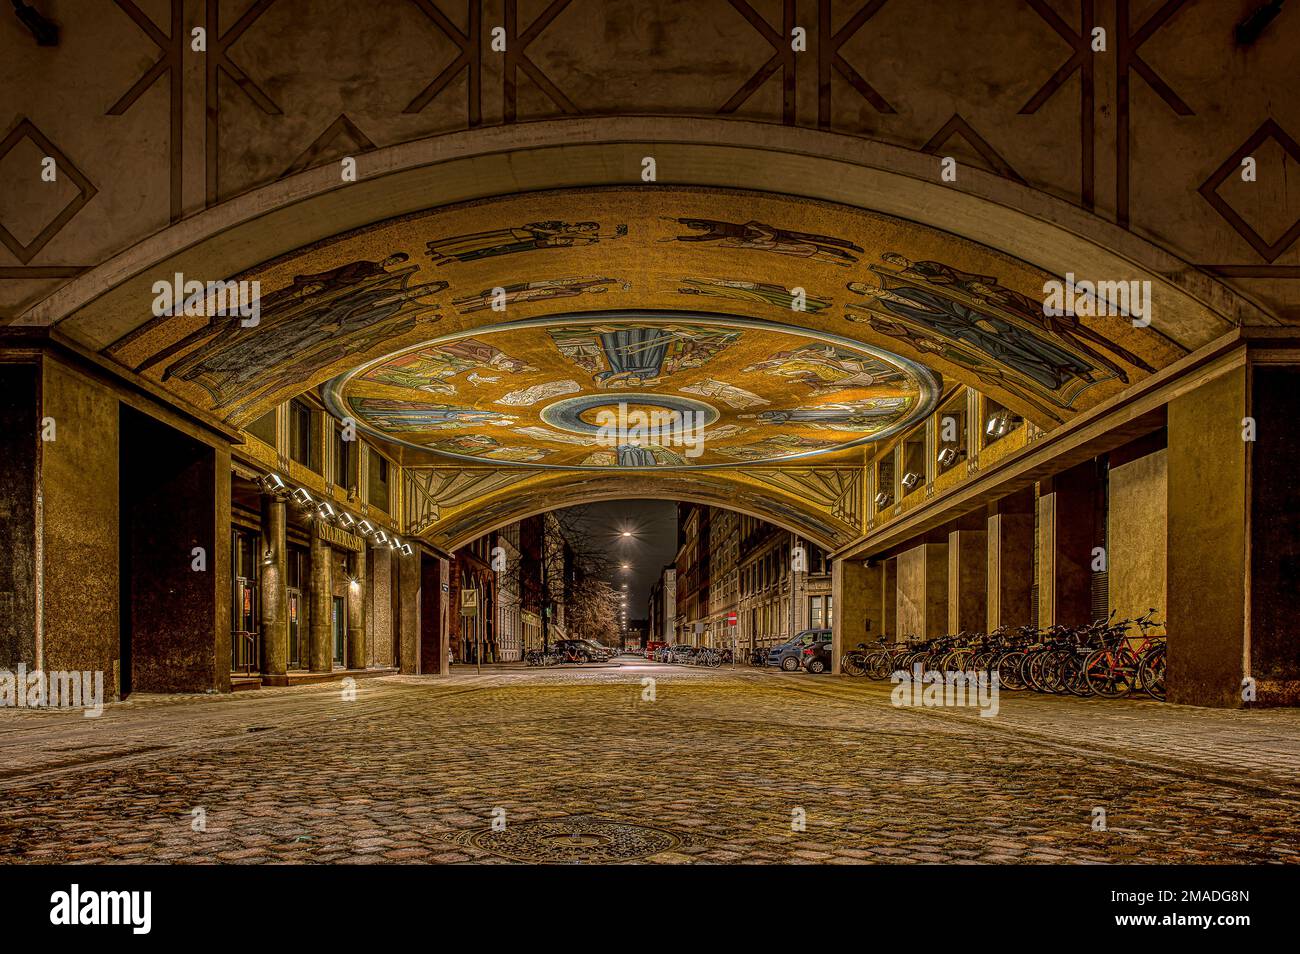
[(1106, 674), (1009, 669), (1151, 673), (853, 664), (1032, 670)]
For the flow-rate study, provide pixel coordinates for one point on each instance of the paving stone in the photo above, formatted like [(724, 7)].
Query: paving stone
[(411, 770)]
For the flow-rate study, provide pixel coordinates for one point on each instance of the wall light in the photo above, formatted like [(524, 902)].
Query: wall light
[(910, 479), (327, 511), (948, 455), (346, 520), (406, 549), (365, 528), (302, 498), (883, 498), (273, 484)]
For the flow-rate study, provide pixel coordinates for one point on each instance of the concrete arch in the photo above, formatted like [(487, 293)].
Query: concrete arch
[(313, 205), (1006, 219)]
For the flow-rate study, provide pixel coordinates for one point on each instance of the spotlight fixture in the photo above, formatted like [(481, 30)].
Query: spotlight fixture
[(346, 520), (327, 511), (381, 538), (627, 533), (302, 498), (1000, 423), (406, 549), (365, 528), (948, 455), (395, 543), (273, 484), (911, 479), (883, 498)]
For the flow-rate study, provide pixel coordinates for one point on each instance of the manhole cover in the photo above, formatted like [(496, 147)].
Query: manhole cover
[(578, 838)]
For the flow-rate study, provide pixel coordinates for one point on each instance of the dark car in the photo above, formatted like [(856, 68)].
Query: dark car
[(789, 656), (575, 650), (817, 657)]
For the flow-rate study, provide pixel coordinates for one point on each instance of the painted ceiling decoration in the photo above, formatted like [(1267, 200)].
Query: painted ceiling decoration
[(967, 312), (498, 336), (535, 393)]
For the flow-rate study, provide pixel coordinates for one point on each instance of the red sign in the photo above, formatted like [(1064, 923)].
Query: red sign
[(731, 619)]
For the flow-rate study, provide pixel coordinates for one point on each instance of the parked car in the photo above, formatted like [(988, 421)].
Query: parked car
[(576, 650), (653, 647), (789, 656), (681, 653), (596, 651), (817, 657)]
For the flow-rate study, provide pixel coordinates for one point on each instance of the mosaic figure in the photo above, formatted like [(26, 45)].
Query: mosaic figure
[(758, 236), (492, 243)]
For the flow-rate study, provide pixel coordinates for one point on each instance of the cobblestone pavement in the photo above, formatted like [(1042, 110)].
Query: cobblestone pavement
[(578, 764)]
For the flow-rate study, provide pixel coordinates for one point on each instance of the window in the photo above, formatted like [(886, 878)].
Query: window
[(819, 612), (302, 436), (345, 460), (379, 481), (264, 428)]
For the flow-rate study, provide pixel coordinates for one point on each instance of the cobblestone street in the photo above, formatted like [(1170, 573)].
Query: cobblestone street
[(577, 765)]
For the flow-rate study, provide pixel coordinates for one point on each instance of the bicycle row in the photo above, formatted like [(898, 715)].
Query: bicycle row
[(1103, 658)]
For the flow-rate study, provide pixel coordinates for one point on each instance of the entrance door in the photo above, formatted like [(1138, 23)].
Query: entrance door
[(340, 617), (295, 644)]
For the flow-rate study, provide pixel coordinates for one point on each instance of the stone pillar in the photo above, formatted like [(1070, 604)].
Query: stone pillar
[(1010, 562), (889, 598), (275, 590), (444, 618), (1208, 543), (358, 592), (923, 590), (1066, 538), (968, 553), (320, 652), (856, 592), (409, 579)]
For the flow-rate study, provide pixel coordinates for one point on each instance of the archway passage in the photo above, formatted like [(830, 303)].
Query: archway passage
[(428, 357)]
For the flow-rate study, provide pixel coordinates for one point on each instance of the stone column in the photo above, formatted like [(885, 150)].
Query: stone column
[(889, 598), (358, 592), (1066, 538), (856, 593), (923, 590), (1208, 542), (320, 635), (275, 591), (408, 577), (1010, 561), (968, 553)]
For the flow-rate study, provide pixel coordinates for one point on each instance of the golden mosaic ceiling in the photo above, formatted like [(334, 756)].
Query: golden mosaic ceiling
[(965, 311), (635, 389)]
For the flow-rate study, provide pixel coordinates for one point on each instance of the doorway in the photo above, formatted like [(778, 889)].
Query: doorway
[(340, 626)]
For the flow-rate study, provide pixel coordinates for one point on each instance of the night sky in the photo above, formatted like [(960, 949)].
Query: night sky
[(654, 543)]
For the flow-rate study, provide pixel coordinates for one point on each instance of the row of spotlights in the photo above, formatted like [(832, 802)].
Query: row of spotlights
[(274, 484)]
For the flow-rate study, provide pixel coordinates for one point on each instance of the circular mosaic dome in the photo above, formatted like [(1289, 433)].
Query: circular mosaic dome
[(635, 390)]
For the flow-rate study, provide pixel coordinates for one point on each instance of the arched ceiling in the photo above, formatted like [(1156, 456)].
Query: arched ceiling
[(438, 231), (486, 339), (967, 312)]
